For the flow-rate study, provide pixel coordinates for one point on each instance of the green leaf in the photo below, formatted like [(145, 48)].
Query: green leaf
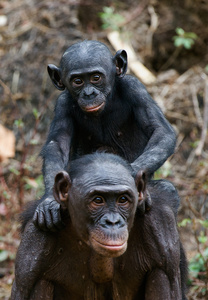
[(110, 19), (194, 144), (205, 253), (39, 180), (14, 171), (204, 223), (36, 113), (191, 35), (188, 43), (179, 41), (184, 222), (108, 10), (180, 31), (3, 255), (202, 239), (19, 123), (185, 39), (196, 265), (6, 195), (33, 142), (204, 291)]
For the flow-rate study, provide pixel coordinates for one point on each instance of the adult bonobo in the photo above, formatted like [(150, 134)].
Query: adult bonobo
[(106, 251), (101, 109)]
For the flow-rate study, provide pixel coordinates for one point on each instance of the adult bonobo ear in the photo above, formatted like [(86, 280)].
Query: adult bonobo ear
[(61, 187), (54, 73), (141, 182), (144, 198), (121, 62)]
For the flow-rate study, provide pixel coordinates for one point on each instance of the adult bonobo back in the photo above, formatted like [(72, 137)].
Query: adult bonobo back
[(107, 250), (101, 108)]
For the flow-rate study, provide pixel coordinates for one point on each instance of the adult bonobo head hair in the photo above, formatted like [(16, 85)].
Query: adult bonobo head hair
[(102, 197), (88, 71)]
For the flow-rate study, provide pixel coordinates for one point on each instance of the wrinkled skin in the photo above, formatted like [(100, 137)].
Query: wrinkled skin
[(101, 109), (107, 249)]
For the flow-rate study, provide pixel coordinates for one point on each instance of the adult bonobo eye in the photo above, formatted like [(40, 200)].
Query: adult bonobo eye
[(77, 82), (123, 201), (97, 202), (95, 78)]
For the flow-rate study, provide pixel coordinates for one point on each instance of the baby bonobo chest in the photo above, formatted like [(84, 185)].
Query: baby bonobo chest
[(123, 137)]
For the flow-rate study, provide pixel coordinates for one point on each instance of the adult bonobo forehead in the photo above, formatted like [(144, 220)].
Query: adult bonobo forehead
[(87, 56), (102, 170)]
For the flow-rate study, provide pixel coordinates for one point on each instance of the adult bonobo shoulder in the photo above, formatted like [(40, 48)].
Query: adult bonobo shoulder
[(107, 250), (101, 109)]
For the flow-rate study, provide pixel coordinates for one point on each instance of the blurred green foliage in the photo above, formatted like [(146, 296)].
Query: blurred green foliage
[(110, 19), (185, 39), (198, 265)]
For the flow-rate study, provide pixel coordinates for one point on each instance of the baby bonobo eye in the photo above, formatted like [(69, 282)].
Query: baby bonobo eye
[(95, 78), (77, 82)]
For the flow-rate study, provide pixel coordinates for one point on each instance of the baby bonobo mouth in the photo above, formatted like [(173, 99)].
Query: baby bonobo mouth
[(94, 108)]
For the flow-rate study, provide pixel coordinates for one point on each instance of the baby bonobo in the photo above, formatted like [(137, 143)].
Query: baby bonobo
[(101, 109), (107, 250)]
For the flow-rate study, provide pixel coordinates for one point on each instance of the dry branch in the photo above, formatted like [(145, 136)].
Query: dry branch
[(134, 64), (205, 120), (7, 143), (196, 105)]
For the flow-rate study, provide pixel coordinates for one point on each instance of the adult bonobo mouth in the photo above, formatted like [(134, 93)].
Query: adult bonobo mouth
[(94, 108), (110, 248)]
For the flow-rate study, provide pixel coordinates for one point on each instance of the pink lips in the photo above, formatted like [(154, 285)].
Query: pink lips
[(116, 247), (94, 108)]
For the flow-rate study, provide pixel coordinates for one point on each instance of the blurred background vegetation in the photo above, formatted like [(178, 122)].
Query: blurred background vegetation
[(169, 37)]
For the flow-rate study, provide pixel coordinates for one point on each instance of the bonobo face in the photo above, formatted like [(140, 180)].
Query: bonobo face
[(102, 201), (88, 71)]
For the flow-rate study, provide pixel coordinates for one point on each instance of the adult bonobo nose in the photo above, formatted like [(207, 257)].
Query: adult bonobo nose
[(90, 92), (112, 221)]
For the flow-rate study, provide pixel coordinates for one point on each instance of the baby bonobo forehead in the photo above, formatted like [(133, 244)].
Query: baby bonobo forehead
[(87, 53)]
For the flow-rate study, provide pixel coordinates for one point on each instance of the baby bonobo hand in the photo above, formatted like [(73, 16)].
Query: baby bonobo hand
[(48, 215)]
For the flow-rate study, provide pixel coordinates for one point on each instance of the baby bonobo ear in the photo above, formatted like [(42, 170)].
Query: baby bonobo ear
[(61, 187), (144, 198), (55, 75), (121, 62)]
